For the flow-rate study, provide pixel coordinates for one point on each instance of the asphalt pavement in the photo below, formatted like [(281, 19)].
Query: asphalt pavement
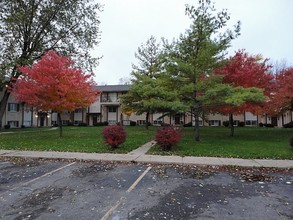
[(34, 188)]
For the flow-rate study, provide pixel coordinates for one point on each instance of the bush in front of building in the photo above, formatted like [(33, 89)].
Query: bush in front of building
[(70, 124), (6, 126), (105, 123), (132, 123), (167, 137), (189, 124), (114, 135), (269, 125), (288, 125), (226, 123), (241, 124)]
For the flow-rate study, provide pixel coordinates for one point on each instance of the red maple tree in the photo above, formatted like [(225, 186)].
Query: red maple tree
[(246, 71), (53, 83), (281, 99)]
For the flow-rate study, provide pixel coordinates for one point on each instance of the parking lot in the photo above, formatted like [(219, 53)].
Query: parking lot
[(59, 189)]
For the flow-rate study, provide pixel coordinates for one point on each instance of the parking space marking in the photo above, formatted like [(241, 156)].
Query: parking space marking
[(44, 175), (138, 179), (112, 209)]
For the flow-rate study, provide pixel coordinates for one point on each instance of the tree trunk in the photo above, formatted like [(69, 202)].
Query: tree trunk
[(231, 124), (3, 104), (196, 127), (121, 119), (59, 123), (147, 120)]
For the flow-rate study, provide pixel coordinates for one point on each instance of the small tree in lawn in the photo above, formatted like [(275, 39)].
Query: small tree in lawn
[(53, 83), (249, 72)]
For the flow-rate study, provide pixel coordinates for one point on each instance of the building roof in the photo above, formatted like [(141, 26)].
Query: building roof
[(113, 88)]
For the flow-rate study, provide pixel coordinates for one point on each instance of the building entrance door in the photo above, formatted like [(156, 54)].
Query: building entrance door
[(275, 121)]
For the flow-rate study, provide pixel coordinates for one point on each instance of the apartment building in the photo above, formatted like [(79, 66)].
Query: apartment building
[(107, 108)]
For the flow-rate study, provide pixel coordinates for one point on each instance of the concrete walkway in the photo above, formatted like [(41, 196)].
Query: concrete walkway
[(139, 155)]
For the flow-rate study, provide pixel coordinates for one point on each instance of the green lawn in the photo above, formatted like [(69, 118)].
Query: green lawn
[(247, 142), (75, 139)]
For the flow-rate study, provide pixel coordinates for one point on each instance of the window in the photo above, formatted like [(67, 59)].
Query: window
[(141, 122), (157, 122), (13, 124), (104, 97), (77, 122), (200, 123), (214, 122), (112, 122), (13, 107), (126, 122), (112, 108), (251, 122)]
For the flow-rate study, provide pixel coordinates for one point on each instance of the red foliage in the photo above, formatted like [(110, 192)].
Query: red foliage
[(246, 71), (54, 84), (167, 137), (114, 135), (281, 98)]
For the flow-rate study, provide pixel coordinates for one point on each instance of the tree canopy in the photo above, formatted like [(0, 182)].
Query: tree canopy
[(148, 93), (193, 57), (281, 97), (30, 28), (250, 73), (53, 84)]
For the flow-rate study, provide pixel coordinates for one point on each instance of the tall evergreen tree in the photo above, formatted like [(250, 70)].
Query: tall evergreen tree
[(148, 93), (197, 53)]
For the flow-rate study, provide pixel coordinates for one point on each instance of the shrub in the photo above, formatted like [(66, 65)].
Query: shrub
[(70, 124), (241, 124), (226, 123), (114, 135), (82, 124), (260, 124), (167, 137), (105, 123), (189, 124), (132, 123), (6, 126), (269, 125), (288, 125)]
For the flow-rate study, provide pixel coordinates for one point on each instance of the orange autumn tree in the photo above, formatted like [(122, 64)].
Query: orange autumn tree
[(281, 99), (246, 71), (53, 83)]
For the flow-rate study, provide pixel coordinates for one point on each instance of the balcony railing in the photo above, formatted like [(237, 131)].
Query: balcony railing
[(111, 100)]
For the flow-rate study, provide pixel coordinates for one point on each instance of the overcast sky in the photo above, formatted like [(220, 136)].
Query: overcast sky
[(266, 28)]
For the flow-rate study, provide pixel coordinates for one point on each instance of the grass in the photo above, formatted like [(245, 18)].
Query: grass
[(74, 139), (270, 143)]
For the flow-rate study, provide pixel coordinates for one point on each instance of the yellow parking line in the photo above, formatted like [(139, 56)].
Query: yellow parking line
[(112, 209)]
